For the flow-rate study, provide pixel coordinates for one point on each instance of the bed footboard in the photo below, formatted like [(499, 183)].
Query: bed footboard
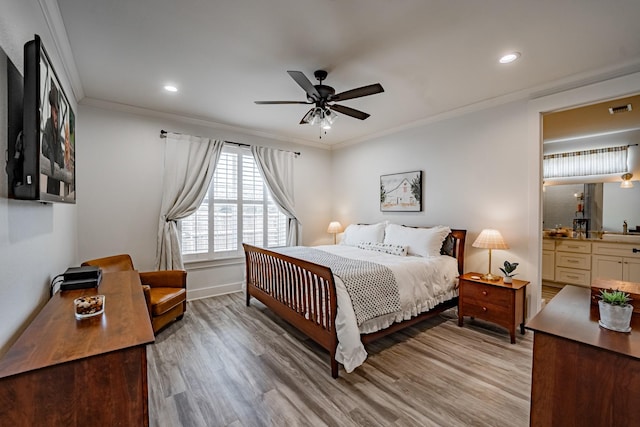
[(301, 292)]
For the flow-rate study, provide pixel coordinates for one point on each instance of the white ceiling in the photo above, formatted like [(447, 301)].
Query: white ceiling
[(431, 56)]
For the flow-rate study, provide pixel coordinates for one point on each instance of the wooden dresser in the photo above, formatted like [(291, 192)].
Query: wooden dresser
[(67, 372), (583, 375)]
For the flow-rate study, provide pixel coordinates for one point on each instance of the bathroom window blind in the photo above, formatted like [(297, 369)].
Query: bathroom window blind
[(600, 161)]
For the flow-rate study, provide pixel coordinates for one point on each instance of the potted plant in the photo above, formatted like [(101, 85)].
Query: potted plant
[(508, 271), (615, 310)]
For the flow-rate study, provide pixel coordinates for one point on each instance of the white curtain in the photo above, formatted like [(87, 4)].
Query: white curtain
[(276, 167), (189, 163), (602, 161)]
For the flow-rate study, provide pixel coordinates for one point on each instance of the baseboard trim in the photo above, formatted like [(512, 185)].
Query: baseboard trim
[(214, 291)]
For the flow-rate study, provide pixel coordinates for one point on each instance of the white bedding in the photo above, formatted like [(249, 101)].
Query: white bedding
[(423, 283)]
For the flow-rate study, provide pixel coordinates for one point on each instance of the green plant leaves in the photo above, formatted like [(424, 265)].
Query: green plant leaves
[(614, 297)]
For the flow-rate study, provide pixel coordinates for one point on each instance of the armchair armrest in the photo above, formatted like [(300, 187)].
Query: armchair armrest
[(146, 289), (164, 278)]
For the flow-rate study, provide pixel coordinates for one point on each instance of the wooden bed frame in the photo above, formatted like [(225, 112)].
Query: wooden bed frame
[(304, 293)]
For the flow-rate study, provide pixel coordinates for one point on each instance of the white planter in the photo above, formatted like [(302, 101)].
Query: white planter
[(508, 279), (615, 317)]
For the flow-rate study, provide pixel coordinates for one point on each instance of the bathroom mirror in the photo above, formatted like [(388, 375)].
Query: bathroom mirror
[(603, 206)]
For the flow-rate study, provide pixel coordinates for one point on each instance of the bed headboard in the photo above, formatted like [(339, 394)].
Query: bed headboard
[(453, 245)]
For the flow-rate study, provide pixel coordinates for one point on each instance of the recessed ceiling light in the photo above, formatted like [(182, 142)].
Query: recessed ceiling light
[(510, 57), (170, 88)]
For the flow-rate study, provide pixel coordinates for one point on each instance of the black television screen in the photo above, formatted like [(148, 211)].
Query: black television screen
[(47, 145)]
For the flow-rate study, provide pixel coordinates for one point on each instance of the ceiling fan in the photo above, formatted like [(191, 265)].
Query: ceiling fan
[(321, 95)]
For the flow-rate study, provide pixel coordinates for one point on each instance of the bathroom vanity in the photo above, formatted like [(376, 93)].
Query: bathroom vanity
[(579, 261)]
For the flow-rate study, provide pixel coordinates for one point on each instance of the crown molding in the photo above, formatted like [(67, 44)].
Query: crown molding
[(53, 18), (130, 109), (532, 93)]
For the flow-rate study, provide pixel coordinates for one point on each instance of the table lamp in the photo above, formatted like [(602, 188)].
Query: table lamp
[(490, 239), (334, 228)]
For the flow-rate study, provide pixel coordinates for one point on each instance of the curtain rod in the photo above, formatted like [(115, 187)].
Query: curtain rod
[(163, 134)]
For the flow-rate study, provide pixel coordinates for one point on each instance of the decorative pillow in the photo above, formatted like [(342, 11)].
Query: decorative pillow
[(448, 246), (384, 247), (424, 242), (358, 233)]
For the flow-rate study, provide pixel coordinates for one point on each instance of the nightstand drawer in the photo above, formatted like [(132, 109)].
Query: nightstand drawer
[(491, 312), (480, 292)]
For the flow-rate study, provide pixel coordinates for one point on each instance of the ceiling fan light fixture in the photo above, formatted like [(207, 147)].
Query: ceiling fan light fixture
[(330, 116), (317, 116), (308, 117), (509, 57)]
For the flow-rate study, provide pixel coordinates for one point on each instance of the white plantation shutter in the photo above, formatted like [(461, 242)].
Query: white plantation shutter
[(237, 209)]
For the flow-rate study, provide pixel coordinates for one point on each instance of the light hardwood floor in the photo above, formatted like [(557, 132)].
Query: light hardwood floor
[(226, 364), (548, 292)]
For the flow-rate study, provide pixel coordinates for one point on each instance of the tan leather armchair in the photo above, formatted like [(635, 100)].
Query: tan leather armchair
[(165, 290)]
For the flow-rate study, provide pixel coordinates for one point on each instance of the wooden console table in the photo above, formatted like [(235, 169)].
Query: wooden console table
[(67, 372), (583, 375)]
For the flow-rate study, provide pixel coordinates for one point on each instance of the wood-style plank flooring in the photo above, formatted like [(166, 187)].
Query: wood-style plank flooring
[(548, 292), (226, 364)]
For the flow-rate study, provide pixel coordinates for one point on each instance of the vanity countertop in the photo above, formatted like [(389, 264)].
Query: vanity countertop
[(612, 238)]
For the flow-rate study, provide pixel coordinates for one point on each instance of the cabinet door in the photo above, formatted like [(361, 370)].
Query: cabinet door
[(548, 265), (606, 267), (631, 269)]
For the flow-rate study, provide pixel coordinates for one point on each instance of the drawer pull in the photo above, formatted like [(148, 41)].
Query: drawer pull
[(573, 261), (573, 247), (636, 250), (484, 308), (484, 293), (570, 276)]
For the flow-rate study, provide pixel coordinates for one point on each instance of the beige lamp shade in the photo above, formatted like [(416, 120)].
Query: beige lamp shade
[(490, 239), (334, 228)]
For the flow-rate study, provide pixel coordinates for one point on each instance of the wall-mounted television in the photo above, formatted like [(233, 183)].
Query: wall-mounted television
[(41, 157)]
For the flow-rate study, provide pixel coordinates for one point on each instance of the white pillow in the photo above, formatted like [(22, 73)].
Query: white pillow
[(358, 233), (424, 242), (384, 247)]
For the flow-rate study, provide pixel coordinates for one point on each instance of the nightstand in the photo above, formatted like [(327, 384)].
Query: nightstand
[(494, 301)]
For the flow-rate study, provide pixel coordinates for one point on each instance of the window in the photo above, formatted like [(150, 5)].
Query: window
[(237, 208), (601, 161)]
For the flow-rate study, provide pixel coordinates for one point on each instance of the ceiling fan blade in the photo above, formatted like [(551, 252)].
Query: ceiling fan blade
[(307, 117), (305, 84), (357, 93), (282, 102), (349, 111)]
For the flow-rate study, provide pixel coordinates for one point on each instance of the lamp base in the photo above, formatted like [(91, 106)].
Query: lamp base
[(491, 277)]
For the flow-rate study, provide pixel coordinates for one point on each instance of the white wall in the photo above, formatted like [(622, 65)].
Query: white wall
[(619, 205), (37, 241), (120, 166)]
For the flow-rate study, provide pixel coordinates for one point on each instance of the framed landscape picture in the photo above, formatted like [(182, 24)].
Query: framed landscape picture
[(401, 192)]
